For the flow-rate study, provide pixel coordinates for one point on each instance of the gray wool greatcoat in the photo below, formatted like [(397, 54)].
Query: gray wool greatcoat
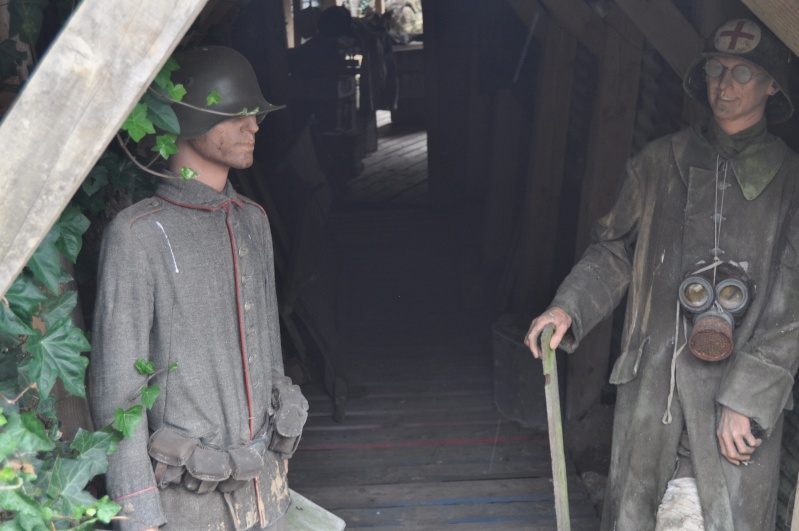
[(187, 276), (660, 227)]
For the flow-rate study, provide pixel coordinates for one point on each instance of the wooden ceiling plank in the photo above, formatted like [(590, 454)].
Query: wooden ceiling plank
[(667, 29), (781, 16), (72, 106), (573, 16)]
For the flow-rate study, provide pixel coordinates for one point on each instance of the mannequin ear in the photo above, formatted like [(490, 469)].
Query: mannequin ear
[(773, 88)]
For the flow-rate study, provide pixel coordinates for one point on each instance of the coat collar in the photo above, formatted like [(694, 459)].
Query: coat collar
[(754, 167), (194, 194)]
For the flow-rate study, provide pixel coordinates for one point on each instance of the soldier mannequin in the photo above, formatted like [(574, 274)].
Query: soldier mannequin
[(697, 202), (187, 276)]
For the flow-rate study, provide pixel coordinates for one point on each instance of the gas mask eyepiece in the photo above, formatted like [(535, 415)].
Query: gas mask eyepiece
[(715, 301)]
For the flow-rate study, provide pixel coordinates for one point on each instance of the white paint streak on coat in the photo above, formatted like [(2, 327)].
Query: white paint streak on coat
[(169, 245)]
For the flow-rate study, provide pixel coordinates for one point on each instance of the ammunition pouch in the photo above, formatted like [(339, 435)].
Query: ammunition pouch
[(202, 468), (291, 412)]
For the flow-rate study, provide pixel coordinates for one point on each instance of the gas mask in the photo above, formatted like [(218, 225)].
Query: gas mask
[(716, 299)]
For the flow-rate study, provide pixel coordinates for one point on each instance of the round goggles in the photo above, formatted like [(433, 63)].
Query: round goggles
[(696, 294), (732, 295), (740, 73)]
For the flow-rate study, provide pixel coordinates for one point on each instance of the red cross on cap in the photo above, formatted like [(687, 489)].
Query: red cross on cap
[(737, 36)]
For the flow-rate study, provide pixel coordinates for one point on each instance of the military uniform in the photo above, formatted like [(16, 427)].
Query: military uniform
[(187, 277), (661, 226)]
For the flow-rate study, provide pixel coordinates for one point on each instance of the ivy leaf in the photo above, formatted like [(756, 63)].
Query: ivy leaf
[(122, 173), (165, 74), (149, 395), (106, 509), (173, 366), (72, 224), (45, 264), (11, 324), (160, 113), (58, 307), (26, 19), (24, 296), (96, 180), (137, 124), (7, 445), (105, 440), (25, 507), (188, 174), (165, 145), (9, 383), (10, 58), (45, 407), (144, 367), (57, 354), (126, 420), (27, 433), (65, 481), (213, 98), (176, 92)]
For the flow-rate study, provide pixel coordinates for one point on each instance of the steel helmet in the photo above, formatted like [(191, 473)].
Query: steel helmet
[(208, 68), (751, 41)]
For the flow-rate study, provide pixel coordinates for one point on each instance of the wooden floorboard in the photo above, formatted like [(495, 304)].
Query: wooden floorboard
[(422, 445)]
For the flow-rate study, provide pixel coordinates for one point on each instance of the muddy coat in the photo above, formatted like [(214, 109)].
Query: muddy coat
[(660, 227), (187, 276)]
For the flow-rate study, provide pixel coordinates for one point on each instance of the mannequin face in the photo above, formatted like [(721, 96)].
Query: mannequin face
[(737, 106), (228, 144)]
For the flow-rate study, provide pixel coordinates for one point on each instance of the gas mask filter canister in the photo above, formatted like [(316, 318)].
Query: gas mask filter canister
[(716, 302)]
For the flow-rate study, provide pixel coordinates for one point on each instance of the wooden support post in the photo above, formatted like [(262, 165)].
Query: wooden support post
[(781, 16), (668, 31), (534, 262), (610, 138), (380, 6), (71, 108), (288, 15)]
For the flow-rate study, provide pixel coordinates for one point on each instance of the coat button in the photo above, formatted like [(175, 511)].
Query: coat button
[(247, 306), (243, 252), (154, 202)]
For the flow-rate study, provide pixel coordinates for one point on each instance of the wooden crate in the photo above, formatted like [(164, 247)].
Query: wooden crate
[(518, 377)]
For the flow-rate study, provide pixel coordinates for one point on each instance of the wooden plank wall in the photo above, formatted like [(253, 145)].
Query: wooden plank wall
[(610, 139), (98, 67)]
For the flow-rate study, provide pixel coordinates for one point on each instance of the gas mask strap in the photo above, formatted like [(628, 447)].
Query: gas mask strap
[(712, 265), (718, 213), (676, 354)]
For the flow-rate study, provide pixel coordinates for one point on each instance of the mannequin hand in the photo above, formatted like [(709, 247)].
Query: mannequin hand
[(554, 315), (736, 442)]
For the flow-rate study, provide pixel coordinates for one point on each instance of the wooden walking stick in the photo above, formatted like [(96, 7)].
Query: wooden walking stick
[(555, 427)]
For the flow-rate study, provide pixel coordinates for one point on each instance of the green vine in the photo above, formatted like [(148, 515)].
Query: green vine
[(45, 482)]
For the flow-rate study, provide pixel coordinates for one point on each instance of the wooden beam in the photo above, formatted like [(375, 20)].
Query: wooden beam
[(666, 28), (581, 21), (610, 138), (781, 16), (74, 103), (533, 268), (574, 16)]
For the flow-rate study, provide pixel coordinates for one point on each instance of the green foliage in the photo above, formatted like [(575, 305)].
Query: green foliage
[(45, 481), (188, 173), (213, 98), (144, 367), (26, 19)]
